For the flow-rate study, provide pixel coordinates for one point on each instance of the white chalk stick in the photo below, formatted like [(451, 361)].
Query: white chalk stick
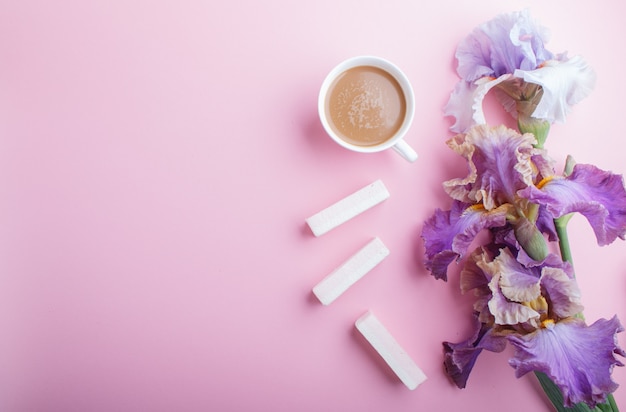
[(388, 348), (353, 269), (347, 208)]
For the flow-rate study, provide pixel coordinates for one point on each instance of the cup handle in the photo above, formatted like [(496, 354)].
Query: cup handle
[(405, 150)]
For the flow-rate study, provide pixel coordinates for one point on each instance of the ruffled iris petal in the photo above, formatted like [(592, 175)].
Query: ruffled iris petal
[(598, 195), (459, 358), (562, 290), (510, 285), (578, 358), (507, 312), (474, 278), (466, 102), (518, 283), (460, 105), (564, 84), (508, 42), (499, 163), (448, 234)]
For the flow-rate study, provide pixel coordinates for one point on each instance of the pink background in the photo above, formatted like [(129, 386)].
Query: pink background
[(157, 162)]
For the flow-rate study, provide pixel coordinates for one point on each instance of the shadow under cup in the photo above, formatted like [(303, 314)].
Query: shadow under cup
[(366, 104)]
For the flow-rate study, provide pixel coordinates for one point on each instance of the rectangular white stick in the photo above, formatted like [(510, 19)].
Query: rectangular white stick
[(347, 208), (389, 349), (353, 269)]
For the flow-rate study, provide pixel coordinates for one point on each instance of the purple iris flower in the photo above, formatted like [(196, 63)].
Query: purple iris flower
[(535, 307), (525, 295), (509, 184), (528, 299), (508, 54)]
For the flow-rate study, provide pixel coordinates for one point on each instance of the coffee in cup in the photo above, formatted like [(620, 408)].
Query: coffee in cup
[(366, 104)]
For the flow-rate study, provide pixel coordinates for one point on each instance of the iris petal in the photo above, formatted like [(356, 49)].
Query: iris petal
[(563, 292), (517, 283), (564, 84), (474, 278), (598, 195), (499, 162), (578, 358), (459, 106), (510, 284), (508, 42), (507, 312), (448, 234), (466, 102), (459, 358)]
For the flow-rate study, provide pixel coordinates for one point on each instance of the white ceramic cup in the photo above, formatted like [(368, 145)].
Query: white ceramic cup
[(396, 141)]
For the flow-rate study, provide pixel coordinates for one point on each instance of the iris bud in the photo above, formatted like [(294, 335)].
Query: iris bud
[(540, 128), (530, 239)]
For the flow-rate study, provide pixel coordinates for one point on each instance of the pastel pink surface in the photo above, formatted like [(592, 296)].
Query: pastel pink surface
[(157, 162)]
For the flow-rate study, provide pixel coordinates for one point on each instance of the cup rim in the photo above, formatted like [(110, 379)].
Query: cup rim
[(387, 66)]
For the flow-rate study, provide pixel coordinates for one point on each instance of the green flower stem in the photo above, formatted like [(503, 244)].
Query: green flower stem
[(555, 396), (561, 232), (528, 124), (611, 403)]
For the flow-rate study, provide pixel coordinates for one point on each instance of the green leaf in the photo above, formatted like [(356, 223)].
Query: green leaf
[(554, 394)]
